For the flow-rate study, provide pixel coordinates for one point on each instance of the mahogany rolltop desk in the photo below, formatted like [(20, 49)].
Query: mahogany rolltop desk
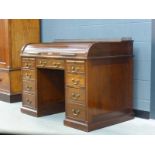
[(90, 80), (14, 33)]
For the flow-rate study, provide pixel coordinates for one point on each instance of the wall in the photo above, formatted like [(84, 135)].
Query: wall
[(152, 113), (139, 30)]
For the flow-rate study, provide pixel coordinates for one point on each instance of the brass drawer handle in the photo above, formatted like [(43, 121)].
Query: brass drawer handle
[(74, 69), (28, 76), (28, 101), (56, 64), (76, 112), (29, 88), (43, 63), (75, 96), (28, 65), (75, 82)]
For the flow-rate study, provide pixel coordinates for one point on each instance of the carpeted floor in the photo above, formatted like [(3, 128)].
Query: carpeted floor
[(12, 121)]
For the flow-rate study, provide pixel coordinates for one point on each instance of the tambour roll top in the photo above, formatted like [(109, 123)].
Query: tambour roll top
[(81, 49)]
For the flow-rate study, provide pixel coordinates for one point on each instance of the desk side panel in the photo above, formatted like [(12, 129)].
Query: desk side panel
[(109, 84)]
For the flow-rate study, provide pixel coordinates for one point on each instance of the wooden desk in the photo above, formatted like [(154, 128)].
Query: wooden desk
[(90, 80)]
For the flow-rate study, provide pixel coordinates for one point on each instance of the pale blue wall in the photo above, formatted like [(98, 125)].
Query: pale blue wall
[(152, 113), (139, 30)]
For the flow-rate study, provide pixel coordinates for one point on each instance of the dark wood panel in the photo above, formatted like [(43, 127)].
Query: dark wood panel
[(23, 31), (110, 87), (51, 91), (4, 43)]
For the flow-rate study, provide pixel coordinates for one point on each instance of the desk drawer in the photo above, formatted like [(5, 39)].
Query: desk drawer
[(76, 112), (75, 66), (74, 94), (29, 100), (29, 86), (28, 63), (50, 63), (28, 74), (75, 80)]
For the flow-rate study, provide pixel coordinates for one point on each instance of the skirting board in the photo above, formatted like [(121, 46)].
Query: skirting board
[(10, 98), (142, 114)]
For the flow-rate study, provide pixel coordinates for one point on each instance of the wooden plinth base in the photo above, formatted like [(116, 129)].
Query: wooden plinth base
[(97, 125)]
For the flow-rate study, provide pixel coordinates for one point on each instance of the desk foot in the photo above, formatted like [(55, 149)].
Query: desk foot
[(29, 111)]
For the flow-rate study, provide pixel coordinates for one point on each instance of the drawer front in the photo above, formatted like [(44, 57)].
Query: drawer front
[(4, 81), (75, 66), (28, 74), (75, 80), (42, 62), (51, 63), (29, 100), (28, 63), (76, 112), (74, 94), (29, 86)]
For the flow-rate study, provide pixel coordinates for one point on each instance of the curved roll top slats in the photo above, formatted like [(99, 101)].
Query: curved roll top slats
[(80, 49)]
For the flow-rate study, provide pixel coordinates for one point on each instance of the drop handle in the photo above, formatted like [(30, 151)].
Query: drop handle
[(75, 82), (29, 88), (28, 65), (76, 112), (43, 62), (75, 96), (28, 101), (56, 64), (74, 69), (28, 75)]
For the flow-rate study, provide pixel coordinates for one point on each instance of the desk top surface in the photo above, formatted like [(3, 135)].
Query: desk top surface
[(80, 49)]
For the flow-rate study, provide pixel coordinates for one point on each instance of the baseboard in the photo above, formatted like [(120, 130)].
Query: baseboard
[(142, 114), (11, 98)]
